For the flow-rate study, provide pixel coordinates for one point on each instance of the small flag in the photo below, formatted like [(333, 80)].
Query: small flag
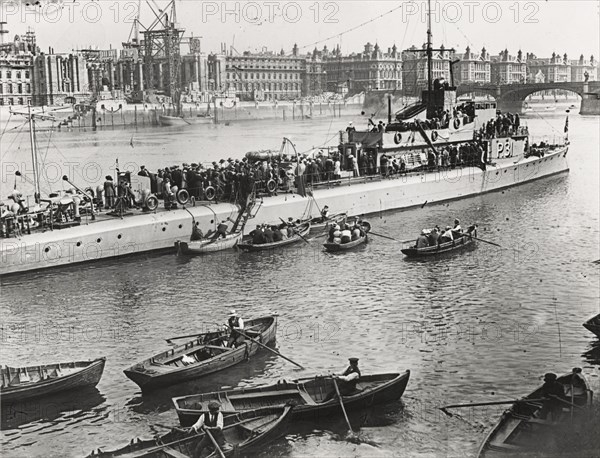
[(567, 125)]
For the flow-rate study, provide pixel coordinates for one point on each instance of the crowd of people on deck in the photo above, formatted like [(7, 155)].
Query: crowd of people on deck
[(437, 236), (346, 232)]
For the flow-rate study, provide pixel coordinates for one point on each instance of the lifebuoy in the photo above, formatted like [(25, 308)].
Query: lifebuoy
[(366, 226), (434, 135), (183, 196), (151, 202), (397, 138), (90, 192), (456, 123), (271, 186), (210, 193)]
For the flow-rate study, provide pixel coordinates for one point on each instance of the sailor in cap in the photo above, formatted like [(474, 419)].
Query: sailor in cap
[(235, 323), (347, 381), (212, 423), (456, 230), (324, 213), (553, 393)]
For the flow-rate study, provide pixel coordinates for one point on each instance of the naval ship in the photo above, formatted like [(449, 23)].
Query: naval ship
[(62, 230)]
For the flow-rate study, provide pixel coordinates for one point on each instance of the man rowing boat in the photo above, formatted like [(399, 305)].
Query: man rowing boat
[(235, 323), (347, 381)]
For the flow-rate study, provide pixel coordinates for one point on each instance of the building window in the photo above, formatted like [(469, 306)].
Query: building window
[(1, 88), (11, 101), (9, 88), (18, 75), (20, 90), (20, 100)]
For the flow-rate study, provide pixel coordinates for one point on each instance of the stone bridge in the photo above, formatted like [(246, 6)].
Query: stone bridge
[(510, 97)]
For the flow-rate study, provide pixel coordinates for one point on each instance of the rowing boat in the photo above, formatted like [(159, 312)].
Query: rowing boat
[(458, 243), (521, 431), (20, 383), (300, 232), (307, 395), (334, 247), (593, 325), (244, 432), (199, 357), (207, 245), (319, 225)]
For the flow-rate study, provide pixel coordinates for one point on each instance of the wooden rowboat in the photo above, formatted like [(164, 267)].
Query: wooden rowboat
[(318, 225), (208, 246), (459, 243), (301, 231), (520, 431), (20, 383), (244, 432), (306, 394), (202, 356), (333, 247), (593, 325)]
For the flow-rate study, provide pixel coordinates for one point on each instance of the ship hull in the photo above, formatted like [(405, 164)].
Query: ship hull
[(159, 231)]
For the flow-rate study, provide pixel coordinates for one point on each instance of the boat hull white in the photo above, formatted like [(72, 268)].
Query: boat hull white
[(168, 121), (159, 231)]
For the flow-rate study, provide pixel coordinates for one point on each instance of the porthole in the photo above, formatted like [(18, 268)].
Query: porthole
[(164, 229), (78, 244), (181, 226), (98, 240), (46, 249), (120, 236)]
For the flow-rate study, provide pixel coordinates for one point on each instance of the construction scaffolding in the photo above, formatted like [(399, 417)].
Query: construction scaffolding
[(162, 53)]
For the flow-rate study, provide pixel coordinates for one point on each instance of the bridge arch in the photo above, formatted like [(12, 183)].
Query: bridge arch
[(520, 92)]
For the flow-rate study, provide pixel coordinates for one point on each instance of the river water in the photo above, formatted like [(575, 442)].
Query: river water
[(476, 327)]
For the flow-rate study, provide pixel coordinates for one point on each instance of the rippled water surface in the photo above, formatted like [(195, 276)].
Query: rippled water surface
[(473, 327)]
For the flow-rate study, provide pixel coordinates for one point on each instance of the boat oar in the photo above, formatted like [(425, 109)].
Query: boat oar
[(212, 439), (484, 241), (267, 348), (351, 437), (318, 236), (295, 231), (478, 404), (384, 236)]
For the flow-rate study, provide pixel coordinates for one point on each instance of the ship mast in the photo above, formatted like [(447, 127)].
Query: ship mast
[(34, 161), (429, 54)]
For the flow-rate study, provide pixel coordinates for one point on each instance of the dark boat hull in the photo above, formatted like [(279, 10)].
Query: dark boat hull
[(235, 428), (516, 433), (593, 325), (303, 232), (337, 247), (455, 245), (149, 375), (88, 376), (387, 388)]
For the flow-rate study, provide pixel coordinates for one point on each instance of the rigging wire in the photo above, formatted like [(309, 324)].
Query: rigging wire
[(352, 29)]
